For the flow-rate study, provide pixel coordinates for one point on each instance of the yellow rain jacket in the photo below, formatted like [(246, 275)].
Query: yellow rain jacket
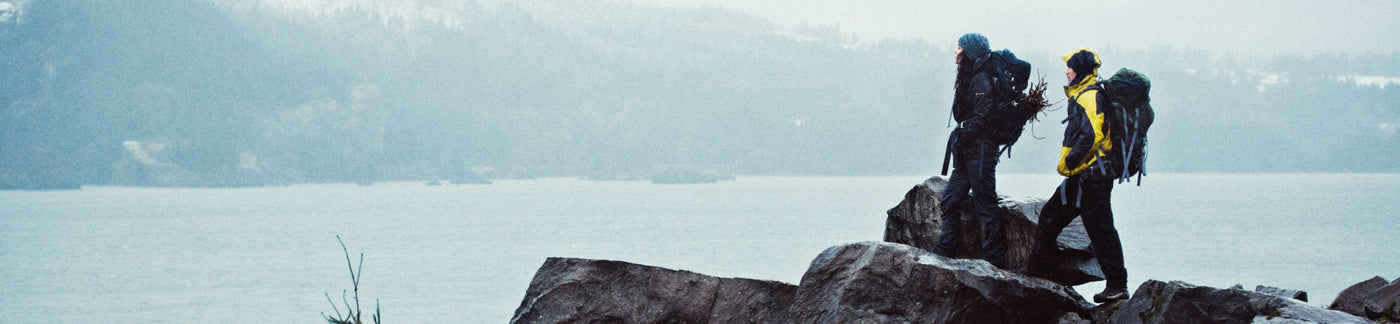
[(1086, 136)]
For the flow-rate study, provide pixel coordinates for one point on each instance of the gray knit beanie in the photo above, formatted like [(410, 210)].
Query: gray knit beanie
[(975, 46)]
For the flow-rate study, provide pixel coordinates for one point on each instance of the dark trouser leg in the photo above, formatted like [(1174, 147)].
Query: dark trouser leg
[(951, 219), (984, 202), (1054, 216), (1098, 221)]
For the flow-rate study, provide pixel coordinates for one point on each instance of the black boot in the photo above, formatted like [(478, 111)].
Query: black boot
[(1111, 294)]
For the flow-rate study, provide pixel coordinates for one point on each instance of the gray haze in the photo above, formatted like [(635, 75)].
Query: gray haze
[(247, 93), (1252, 27)]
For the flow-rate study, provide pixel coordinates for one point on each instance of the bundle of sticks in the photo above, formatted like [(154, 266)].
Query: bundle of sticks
[(1034, 101), (1034, 104)]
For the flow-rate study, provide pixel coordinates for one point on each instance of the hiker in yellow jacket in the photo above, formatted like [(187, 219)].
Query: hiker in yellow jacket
[(1088, 184)]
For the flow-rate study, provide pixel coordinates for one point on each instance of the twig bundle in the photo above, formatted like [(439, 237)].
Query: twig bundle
[(1034, 104)]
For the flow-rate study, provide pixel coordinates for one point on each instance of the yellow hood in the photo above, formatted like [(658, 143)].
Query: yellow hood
[(1073, 90)]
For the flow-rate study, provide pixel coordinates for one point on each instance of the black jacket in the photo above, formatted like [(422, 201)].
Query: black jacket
[(973, 101)]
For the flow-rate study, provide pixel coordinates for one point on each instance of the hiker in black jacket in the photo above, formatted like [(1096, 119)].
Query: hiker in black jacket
[(975, 154)]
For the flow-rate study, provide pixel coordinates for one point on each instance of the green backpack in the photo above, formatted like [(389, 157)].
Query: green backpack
[(1125, 102)]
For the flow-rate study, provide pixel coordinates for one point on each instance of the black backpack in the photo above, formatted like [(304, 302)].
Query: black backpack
[(1010, 77), (1127, 109)]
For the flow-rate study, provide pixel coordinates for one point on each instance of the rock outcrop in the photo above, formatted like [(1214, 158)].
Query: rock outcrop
[(1374, 298), (567, 290), (890, 282), (880, 282), (877, 282), (1353, 299), (1179, 302), (1382, 304), (869, 282), (915, 221)]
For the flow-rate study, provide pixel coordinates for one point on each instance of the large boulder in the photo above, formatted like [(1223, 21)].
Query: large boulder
[(1381, 305), (877, 282), (1179, 302), (1353, 299), (567, 290), (916, 221)]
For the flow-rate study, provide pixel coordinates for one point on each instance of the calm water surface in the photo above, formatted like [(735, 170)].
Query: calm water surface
[(465, 254)]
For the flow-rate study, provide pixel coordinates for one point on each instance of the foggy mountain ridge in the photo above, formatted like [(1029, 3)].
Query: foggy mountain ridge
[(224, 93)]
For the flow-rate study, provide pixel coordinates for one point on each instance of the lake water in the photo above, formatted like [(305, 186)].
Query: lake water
[(466, 254)]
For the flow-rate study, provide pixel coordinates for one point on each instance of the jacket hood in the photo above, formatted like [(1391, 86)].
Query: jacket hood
[(1081, 59)]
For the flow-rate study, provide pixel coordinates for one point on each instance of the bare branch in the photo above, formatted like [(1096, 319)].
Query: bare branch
[(347, 259), (376, 311), (354, 313)]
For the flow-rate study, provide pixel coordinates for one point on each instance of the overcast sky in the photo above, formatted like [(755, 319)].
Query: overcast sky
[(1240, 27)]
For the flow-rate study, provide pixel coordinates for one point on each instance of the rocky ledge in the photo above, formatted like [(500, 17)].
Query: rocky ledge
[(916, 221), (598, 291), (868, 282), (1179, 302), (1373, 298), (900, 282)]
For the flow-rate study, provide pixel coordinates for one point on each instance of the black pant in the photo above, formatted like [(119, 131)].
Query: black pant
[(1089, 199), (974, 169)]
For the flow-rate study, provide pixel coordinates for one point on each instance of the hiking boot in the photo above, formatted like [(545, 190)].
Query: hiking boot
[(1111, 294)]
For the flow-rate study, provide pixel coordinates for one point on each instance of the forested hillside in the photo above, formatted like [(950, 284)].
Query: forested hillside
[(234, 93)]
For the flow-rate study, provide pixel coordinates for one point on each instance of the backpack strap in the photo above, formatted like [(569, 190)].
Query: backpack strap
[(1079, 194), (1142, 169), (1096, 86), (1127, 150), (1064, 191)]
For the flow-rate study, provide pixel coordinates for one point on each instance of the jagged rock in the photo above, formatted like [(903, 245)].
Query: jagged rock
[(915, 221), (1179, 302), (1072, 318), (1104, 312), (877, 282), (1381, 305), (1285, 293), (567, 290), (1353, 299)]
